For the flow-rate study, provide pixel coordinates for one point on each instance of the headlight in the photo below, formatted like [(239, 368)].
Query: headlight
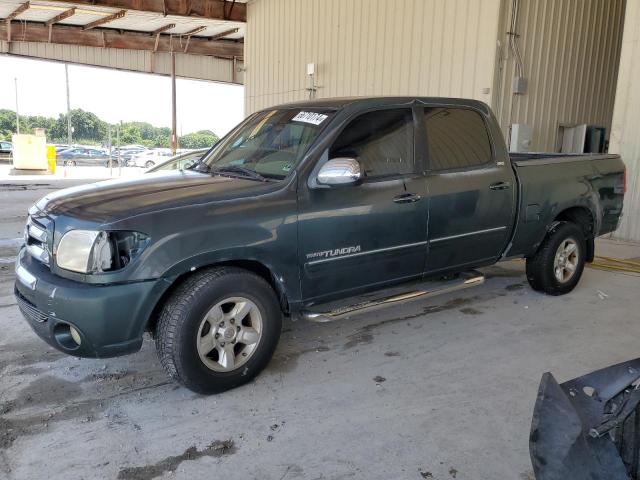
[(84, 251), (91, 251)]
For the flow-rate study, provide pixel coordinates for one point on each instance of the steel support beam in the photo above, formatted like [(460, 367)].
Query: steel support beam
[(107, 19), (220, 35), (211, 9), (174, 115), (21, 9), (61, 16), (103, 37)]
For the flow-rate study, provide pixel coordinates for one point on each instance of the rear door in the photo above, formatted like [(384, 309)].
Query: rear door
[(471, 193), (360, 236)]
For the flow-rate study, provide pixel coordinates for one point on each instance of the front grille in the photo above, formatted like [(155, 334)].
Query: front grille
[(36, 238), (29, 310)]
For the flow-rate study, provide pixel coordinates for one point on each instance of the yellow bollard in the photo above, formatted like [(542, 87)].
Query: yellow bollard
[(51, 158)]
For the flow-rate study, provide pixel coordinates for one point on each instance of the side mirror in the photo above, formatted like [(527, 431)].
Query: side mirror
[(340, 171)]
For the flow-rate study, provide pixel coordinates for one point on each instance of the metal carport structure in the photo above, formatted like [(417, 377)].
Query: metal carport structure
[(200, 39)]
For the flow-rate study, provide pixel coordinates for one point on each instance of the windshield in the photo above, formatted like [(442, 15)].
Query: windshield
[(269, 144)]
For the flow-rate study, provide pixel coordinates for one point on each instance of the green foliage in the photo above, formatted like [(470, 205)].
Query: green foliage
[(201, 139), (91, 130), (7, 124)]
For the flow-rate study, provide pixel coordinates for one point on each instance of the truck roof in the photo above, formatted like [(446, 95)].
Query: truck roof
[(338, 103)]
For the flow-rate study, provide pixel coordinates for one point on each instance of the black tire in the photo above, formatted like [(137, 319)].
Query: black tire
[(181, 317), (149, 164), (540, 267), (69, 163)]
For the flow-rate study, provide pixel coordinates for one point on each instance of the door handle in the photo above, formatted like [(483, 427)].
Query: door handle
[(406, 198), (500, 186)]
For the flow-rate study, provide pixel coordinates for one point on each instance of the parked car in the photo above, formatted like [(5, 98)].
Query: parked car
[(299, 211), (6, 149), (181, 161), (83, 156), (126, 152), (149, 158), (62, 147)]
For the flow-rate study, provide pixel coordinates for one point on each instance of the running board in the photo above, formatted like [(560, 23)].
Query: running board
[(338, 310)]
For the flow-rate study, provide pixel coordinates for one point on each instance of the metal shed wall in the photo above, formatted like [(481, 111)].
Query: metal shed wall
[(570, 50), (625, 139), (188, 66), (369, 47)]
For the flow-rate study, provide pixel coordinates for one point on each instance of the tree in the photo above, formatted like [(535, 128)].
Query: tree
[(7, 124), (130, 133), (201, 139), (90, 129), (38, 121)]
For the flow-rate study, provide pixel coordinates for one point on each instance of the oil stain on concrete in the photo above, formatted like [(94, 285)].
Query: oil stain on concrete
[(170, 464)]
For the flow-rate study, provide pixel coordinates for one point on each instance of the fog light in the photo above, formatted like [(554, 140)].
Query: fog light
[(75, 335)]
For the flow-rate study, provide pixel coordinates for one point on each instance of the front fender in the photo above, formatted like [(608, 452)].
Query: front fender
[(285, 281)]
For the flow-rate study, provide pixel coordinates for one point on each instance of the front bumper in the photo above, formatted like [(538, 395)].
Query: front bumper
[(110, 319)]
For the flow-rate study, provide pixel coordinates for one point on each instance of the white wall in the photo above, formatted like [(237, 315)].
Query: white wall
[(369, 47), (570, 51), (625, 133)]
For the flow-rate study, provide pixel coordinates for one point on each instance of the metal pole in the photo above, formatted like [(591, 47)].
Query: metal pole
[(110, 158), (119, 159), (174, 132), (17, 113), (66, 73), (118, 142)]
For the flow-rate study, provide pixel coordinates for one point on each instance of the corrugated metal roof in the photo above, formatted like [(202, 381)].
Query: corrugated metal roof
[(41, 11)]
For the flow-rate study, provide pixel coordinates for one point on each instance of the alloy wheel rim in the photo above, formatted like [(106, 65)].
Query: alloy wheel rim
[(229, 334), (566, 260)]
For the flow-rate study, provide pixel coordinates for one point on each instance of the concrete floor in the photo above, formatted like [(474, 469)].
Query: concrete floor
[(438, 389)]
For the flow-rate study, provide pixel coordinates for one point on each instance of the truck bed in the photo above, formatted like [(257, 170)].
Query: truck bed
[(546, 158), (550, 183)]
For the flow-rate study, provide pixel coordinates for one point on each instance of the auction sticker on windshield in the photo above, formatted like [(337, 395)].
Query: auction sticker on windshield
[(310, 117)]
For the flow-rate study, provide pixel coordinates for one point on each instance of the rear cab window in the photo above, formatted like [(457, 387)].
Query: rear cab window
[(457, 138)]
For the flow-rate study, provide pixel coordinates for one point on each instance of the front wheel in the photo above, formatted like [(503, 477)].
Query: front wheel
[(69, 163), (557, 266), (218, 329), (149, 164)]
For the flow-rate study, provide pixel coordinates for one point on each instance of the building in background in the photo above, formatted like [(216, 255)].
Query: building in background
[(548, 68)]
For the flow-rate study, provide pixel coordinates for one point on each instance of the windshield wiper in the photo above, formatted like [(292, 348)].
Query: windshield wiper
[(241, 171), (199, 166)]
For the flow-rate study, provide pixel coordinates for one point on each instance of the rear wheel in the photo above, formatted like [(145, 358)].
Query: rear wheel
[(218, 329), (149, 164), (557, 266), (69, 163)]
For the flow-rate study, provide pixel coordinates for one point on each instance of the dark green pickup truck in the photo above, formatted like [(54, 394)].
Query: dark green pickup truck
[(314, 210)]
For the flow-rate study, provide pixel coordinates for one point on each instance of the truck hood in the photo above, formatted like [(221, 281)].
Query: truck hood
[(113, 200)]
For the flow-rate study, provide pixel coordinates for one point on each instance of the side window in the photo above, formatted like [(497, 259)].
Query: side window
[(382, 141), (457, 138)]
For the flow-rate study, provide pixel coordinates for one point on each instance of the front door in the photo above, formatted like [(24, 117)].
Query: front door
[(352, 238), (471, 196)]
